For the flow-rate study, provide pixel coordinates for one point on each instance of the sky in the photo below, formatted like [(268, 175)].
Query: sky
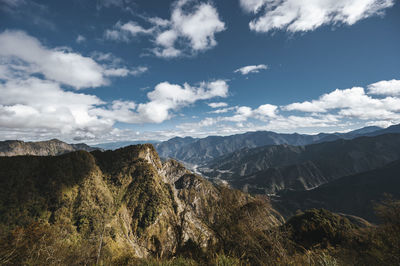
[(99, 71)]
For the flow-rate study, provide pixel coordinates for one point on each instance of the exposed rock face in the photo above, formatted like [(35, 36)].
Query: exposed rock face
[(125, 199), (42, 148)]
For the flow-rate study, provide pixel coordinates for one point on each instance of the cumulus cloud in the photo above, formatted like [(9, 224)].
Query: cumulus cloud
[(37, 104), (385, 87), (263, 112), (300, 16), (167, 97), (19, 50), (190, 29), (353, 102), (251, 69), (218, 105), (339, 109), (24, 54), (36, 96)]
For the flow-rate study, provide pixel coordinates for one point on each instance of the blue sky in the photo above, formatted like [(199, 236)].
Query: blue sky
[(100, 71)]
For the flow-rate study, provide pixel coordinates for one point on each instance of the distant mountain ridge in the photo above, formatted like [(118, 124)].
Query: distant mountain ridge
[(199, 151), (121, 144), (270, 169), (353, 194), (41, 148)]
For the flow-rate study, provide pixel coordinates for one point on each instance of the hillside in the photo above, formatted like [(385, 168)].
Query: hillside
[(354, 195), (126, 207), (41, 148), (271, 169), (119, 202)]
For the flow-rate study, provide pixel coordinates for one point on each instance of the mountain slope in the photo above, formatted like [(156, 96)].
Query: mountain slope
[(273, 168), (390, 130), (353, 194), (198, 151), (124, 201), (42, 148)]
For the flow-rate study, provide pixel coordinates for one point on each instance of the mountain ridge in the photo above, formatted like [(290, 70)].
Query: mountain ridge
[(272, 168), (51, 147), (354, 194), (199, 151), (127, 199)]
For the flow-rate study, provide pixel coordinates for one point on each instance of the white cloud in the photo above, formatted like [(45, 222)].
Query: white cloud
[(223, 110), (382, 124), (199, 26), (251, 69), (302, 122), (336, 99), (295, 16), (80, 39), (167, 97), (163, 101), (108, 58), (218, 105), (385, 87), (353, 102), (339, 110), (139, 70), (191, 29), (123, 72), (19, 51), (39, 104), (58, 65), (124, 32), (263, 112)]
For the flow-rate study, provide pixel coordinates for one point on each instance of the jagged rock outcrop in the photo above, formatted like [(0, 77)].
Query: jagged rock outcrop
[(41, 148), (118, 200)]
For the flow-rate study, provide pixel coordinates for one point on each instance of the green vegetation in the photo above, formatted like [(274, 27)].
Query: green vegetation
[(115, 208)]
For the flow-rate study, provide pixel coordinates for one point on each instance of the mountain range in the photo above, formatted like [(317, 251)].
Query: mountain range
[(42, 148), (270, 169), (354, 194), (199, 151)]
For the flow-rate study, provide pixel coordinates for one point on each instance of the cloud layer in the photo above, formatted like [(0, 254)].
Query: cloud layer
[(300, 16), (38, 92), (346, 108)]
